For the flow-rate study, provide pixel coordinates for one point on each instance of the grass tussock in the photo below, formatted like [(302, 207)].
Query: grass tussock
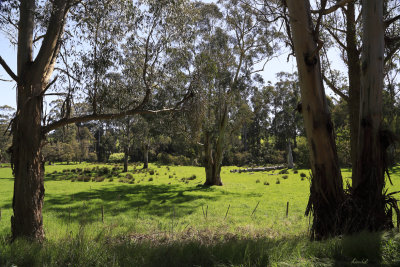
[(203, 248)]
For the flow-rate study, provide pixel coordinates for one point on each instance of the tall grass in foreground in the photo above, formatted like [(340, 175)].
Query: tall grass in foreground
[(207, 249)]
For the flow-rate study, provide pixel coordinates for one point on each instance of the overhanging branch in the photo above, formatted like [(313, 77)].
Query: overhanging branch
[(111, 116), (8, 70)]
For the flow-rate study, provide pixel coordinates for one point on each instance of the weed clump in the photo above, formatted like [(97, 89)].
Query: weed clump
[(193, 177), (151, 172), (266, 183), (278, 181), (170, 176), (284, 171), (303, 175), (285, 177), (295, 171), (257, 181), (150, 179)]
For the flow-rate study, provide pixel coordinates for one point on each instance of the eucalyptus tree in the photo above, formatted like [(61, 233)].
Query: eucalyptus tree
[(43, 29), (326, 192), (342, 26), (286, 121), (233, 41)]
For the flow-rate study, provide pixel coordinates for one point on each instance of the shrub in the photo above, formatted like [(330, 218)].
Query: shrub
[(98, 179), (129, 175), (79, 170), (86, 178), (285, 177), (168, 159), (87, 170), (303, 174), (65, 170), (116, 157), (104, 171), (301, 153), (284, 171), (111, 179), (193, 177)]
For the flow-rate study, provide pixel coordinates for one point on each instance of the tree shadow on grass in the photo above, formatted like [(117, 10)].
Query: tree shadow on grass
[(154, 200)]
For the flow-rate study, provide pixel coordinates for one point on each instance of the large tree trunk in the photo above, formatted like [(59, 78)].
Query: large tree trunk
[(213, 158), (326, 192), (32, 78), (28, 165), (369, 180), (354, 75)]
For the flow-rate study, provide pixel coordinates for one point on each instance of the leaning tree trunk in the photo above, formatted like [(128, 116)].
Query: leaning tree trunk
[(369, 181), (326, 192), (354, 75), (28, 165), (213, 158)]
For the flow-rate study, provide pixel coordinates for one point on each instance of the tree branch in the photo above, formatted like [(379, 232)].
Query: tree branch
[(332, 9), (336, 38), (50, 44), (334, 89), (390, 21), (8, 70), (111, 116)]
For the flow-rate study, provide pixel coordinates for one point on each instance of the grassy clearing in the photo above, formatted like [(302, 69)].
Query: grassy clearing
[(164, 217)]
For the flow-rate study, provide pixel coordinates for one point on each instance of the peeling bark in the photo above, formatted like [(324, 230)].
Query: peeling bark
[(326, 192)]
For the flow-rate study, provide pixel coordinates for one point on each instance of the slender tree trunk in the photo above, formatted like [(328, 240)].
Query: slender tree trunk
[(126, 156), (326, 192), (354, 75), (369, 181), (28, 165), (146, 156)]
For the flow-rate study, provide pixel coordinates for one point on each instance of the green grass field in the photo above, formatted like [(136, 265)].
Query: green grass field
[(167, 218)]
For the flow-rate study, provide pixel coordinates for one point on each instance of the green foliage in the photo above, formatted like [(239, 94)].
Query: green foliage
[(116, 157), (168, 159), (301, 153), (343, 146)]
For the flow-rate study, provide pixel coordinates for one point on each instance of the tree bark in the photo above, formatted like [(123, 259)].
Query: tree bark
[(326, 192), (28, 167), (213, 157), (369, 181), (354, 75)]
